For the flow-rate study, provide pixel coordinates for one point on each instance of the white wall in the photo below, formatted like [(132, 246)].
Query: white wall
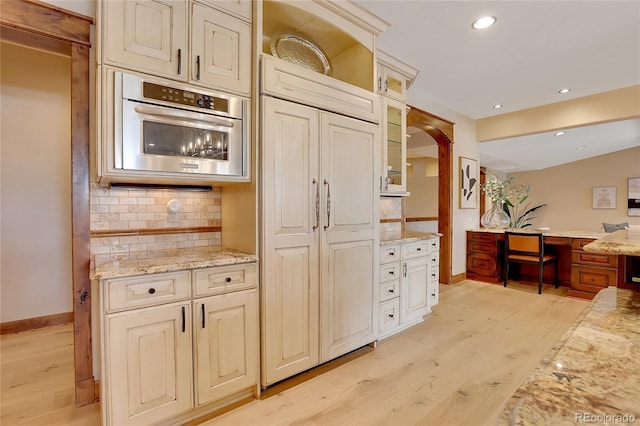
[(465, 145), (35, 180), (83, 7)]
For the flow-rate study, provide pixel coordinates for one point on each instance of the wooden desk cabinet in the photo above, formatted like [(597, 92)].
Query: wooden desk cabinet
[(485, 253), (583, 272), (591, 272)]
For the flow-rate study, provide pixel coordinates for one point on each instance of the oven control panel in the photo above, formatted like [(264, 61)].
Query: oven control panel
[(184, 97)]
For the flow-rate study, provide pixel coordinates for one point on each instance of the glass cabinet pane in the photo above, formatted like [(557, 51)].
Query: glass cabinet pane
[(394, 145)]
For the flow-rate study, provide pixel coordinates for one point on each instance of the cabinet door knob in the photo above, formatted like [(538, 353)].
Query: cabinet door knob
[(152, 290), (228, 279)]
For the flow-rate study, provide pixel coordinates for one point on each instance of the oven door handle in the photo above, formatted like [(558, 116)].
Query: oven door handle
[(177, 113)]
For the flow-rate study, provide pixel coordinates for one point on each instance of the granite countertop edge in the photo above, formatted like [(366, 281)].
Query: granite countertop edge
[(406, 237), (172, 260)]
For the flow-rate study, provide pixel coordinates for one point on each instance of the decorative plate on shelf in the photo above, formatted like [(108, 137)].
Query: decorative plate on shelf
[(301, 51)]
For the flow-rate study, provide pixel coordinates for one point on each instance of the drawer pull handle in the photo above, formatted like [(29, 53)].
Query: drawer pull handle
[(392, 253), (404, 270), (391, 291), (419, 248), (152, 290), (228, 279), (391, 316), (391, 273)]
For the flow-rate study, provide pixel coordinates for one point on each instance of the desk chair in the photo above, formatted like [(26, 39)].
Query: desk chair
[(526, 247)]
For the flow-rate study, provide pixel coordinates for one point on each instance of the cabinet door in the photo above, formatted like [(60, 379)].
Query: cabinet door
[(291, 192), (350, 152), (394, 146), (413, 289), (148, 370), (220, 50), (147, 35), (226, 335), (392, 83)]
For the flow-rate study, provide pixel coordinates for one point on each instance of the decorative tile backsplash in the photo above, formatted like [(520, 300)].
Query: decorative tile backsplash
[(390, 209), (126, 220)]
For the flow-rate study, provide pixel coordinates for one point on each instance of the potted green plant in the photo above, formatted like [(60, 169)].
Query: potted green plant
[(509, 197)]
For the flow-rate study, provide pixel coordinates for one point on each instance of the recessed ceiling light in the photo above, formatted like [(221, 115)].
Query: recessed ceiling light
[(497, 106), (580, 148), (560, 133), (484, 22), (563, 91)]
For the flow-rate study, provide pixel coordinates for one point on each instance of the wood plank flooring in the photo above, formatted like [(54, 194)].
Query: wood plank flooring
[(456, 368)]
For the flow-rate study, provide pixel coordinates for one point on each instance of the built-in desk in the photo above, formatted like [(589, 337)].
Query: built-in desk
[(584, 273)]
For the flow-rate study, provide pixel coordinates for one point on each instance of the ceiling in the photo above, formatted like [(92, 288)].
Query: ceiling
[(535, 49)]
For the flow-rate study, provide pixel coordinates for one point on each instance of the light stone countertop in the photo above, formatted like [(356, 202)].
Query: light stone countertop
[(592, 371), (550, 233), (626, 242), (149, 262), (387, 238)]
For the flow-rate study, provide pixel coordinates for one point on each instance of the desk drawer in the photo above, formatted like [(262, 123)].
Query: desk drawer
[(579, 243), (594, 259), (488, 237), (557, 241), (588, 278), (482, 264), (482, 247)]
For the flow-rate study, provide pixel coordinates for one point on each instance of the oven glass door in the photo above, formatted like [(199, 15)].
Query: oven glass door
[(160, 139)]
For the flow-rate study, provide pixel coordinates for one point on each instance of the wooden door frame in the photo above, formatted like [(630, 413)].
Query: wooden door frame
[(53, 29), (442, 131)]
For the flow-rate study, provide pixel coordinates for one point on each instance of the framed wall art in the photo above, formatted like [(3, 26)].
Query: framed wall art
[(469, 184), (604, 197), (633, 200)]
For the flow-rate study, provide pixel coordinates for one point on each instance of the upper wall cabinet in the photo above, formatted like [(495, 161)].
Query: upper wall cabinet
[(153, 36), (394, 77), (335, 38)]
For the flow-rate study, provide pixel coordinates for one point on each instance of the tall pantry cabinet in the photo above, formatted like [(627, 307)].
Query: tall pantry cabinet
[(320, 172)]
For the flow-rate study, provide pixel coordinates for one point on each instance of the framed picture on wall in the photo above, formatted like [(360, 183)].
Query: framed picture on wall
[(633, 201), (604, 197), (469, 184)]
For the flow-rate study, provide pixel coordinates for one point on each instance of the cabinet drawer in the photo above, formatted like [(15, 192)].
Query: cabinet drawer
[(486, 237), (594, 259), (587, 278), (579, 243), (389, 314), (434, 245), (480, 247), (389, 290), (417, 249), (389, 253), (434, 260), (434, 274), (146, 290), (482, 264), (389, 272), (224, 279)]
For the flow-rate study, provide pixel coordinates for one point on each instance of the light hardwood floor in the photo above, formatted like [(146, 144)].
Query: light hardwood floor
[(456, 368)]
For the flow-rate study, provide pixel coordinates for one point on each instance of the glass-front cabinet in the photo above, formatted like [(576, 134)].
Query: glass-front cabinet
[(394, 146), (394, 77)]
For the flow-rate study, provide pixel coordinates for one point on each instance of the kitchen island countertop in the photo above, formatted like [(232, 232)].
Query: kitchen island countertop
[(156, 261), (626, 242), (592, 371)]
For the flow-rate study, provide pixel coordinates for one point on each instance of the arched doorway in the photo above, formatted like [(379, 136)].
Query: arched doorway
[(441, 131)]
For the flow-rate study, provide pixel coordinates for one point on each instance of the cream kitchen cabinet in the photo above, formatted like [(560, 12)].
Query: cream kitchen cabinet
[(178, 39), (320, 237), (394, 77), (408, 283), (178, 343)]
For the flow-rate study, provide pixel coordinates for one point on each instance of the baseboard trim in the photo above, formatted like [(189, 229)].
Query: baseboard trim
[(458, 278), (35, 323)]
